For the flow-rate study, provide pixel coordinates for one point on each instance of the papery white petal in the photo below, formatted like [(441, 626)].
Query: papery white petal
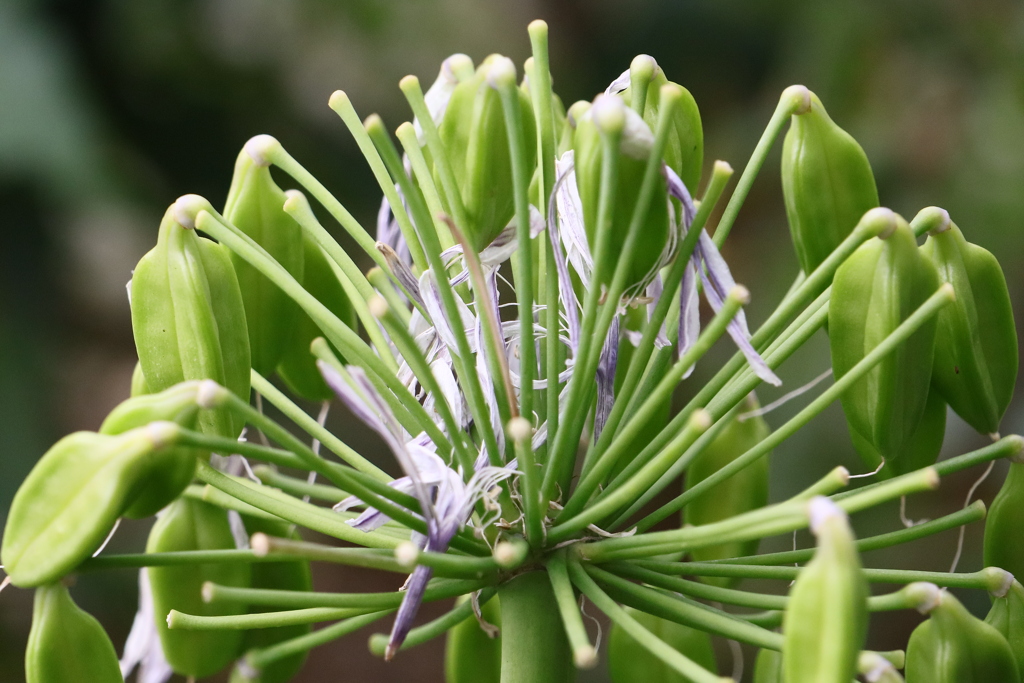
[(142, 649)]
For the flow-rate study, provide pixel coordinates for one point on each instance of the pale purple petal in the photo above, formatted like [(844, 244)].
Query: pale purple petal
[(606, 366), (689, 311), (567, 211), (619, 84), (401, 271), (415, 587)]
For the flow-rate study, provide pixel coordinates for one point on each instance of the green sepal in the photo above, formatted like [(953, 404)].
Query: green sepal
[(71, 499), (255, 205), (66, 644), (827, 184), (472, 656), (976, 341), (827, 618), (874, 291), (174, 468), (1007, 617), (923, 447), (742, 492), (298, 365), (474, 135), (188, 319), (654, 231), (289, 576), (954, 646), (628, 662), (1003, 524), (189, 524)]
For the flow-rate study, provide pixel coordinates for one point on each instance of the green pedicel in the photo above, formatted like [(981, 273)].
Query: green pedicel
[(67, 645), (630, 663), (193, 525)]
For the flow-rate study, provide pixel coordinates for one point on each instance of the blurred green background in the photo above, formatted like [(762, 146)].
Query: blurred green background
[(109, 109)]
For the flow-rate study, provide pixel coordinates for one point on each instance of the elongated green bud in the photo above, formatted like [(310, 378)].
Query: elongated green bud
[(67, 645), (923, 447), (609, 115), (255, 205), (954, 646), (1007, 617), (298, 364), (472, 655), (187, 314), (976, 341), (628, 662), (684, 150), (874, 291), (173, 468), (744, 491), (826, 621), (1004, 522), (474, 135), (194, 525), (71, 499), (826, 182)]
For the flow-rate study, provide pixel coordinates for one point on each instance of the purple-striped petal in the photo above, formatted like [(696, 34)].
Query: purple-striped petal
[(606, 366)]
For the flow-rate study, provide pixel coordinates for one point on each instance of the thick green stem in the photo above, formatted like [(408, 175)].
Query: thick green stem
[(534, 648)]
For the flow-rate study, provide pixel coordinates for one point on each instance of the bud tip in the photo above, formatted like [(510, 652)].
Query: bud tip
[(338, 99), (507, 555), (799, 98), (187, 207), (843, 475), (260, 544), (502, 73), (209, 394), (722, 167), (642, 66), (260, 148), (585, 657), (519, 428), (162, 433), (821, 509), (701, 420), (609, 113), (207, 591), (740, 294), (406, 554), (378, 306)]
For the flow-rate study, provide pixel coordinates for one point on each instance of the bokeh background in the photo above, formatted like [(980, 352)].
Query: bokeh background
[(109, 109)]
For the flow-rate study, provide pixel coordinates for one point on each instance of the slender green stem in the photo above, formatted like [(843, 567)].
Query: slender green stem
[(342, 106), (172, 559), (972, 513), (649, 474), (432, 629), (583, 653), (520, 433), (837, 478), (309, 425), (794, 99), (213, 496), (406, 134), (641, 71), (990, 578), (928, 309), (283, 160), (298, 487), (239, 622), (410, 86), (439, 589), (650, 642), (767, 521), (264, 657), (379, 279)]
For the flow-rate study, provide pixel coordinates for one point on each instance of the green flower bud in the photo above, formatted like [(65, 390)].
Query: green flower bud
[(1004, 522), (471, 655), (67, 645), (744, 491), (284, 576), (188, 318), (976, 341), (628, 662), (474, 135), (954, 646), (768, 667), (174, 468), (1007, 617), (684, 149), (634, 150), (255, 205), (874, 291), (827, 618), (194, 525), (71, 499), (922, 449), (827, 184), (298, 365)]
